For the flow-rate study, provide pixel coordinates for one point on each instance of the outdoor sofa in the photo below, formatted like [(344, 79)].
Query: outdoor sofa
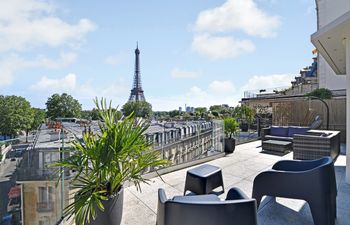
[(282, 133)]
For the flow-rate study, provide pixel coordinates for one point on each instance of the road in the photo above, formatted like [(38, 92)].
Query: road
[(7, 180)]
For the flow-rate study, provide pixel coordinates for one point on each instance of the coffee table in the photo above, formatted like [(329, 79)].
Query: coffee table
[(277, 146), (203, 179)]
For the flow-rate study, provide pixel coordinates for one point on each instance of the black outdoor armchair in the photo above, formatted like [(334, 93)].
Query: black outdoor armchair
[(237, 209), (311, 180)]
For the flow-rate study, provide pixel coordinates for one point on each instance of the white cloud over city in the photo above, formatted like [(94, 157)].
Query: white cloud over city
[(219, 92), (218, 47), (30, 23), (13, 63), (26, 25), (179, 73), (214, 28), (268, 81), (85, 91)]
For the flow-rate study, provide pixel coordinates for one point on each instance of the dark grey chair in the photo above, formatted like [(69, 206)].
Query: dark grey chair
[(311, 180), (237, 209)]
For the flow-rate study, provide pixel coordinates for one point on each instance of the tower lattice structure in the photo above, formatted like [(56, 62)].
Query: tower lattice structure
[(136, 91)]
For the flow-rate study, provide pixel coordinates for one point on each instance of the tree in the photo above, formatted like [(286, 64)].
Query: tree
[(63, 106), (90, 114), (140, 109), (322, 93), (39, 118), (16, 115)]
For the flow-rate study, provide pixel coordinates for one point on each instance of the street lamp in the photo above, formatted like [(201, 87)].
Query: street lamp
[(327, 108)]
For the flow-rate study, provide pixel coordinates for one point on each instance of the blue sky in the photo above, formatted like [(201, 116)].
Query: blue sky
[(198, 53)]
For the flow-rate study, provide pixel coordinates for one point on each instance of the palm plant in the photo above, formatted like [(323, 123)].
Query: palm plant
[(104, 162)]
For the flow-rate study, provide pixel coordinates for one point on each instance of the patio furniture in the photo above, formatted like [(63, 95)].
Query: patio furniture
[(203, 179), (312, 180), (237, 209), (316, 144), (277, 146), (282, 133)]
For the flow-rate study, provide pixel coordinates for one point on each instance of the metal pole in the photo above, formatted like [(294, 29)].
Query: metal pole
[(62, 172), (327, 108)]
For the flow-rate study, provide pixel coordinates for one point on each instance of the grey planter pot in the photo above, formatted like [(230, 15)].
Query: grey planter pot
[(230, 144), (112, 215)]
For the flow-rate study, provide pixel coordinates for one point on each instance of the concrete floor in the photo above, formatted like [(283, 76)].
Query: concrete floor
[(239, 170)]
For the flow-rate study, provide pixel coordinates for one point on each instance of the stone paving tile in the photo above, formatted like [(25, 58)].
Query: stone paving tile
[(276, 213), (343, 217), (135, 212), (149, 194), (239, 170)]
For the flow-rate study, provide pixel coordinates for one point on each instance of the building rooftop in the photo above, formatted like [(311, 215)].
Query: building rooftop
[(239, 170)]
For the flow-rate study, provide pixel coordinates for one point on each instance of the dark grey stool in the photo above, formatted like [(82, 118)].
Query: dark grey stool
[(203, 179)]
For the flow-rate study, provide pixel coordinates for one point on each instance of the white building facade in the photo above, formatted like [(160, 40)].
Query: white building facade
[(332, 41), (328, 11)]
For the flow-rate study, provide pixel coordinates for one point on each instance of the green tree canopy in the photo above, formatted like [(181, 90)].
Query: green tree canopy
[(140, 109), (322, 93), (63, 105), (39, 118), (244, 112), (90, 114), (16, 115)]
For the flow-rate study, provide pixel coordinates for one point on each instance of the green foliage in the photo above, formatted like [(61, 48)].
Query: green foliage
[(221, 110), (104, 162), (90, 114), (139, 108), (231, 126), (16, 115), (39, 118), (63, 105), (174, 113), (244, 112), (322, 93)]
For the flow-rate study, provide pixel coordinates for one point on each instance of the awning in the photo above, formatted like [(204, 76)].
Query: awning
[(329, 41)]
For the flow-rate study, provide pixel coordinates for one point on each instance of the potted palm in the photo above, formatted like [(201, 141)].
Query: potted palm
[(103, 162), (231, 129)]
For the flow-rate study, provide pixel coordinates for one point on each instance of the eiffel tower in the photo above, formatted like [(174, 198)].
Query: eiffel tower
[(136, 91)]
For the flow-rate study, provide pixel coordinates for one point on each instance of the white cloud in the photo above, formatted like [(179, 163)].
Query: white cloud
[(115, 60), (221, 47), (198, 97), (222, 87), (85, 92), (235, 15), (268, 81), (30, 23), (219, 92), (14, 63), (67, 83), (178, 73)]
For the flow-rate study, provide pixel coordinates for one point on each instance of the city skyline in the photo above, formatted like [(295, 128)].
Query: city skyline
[(199, 54)]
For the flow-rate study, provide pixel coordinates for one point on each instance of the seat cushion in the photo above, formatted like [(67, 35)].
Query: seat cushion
[(278, 138), (279, 131), (297, 130)]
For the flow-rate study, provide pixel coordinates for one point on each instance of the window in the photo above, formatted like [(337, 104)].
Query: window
[(45, 194)]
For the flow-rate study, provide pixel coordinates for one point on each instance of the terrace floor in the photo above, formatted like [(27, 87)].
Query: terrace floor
[(239, 169)]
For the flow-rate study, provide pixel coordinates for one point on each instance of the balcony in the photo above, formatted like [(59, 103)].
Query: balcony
[(239, 170), (44, 206)]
